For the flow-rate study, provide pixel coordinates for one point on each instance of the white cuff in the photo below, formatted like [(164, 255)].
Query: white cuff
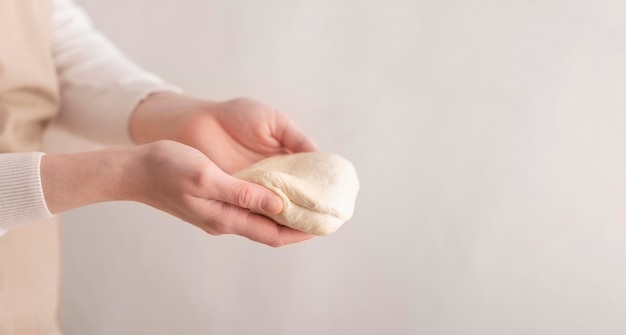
[(21, 195)]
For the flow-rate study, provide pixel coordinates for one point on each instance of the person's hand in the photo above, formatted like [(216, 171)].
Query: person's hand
[(233, 134), (172, 177), (182, 181)]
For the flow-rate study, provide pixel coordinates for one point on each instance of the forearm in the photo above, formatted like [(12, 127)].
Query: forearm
[(74, 180)]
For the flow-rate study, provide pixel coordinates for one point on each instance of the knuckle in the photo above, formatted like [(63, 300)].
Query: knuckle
[(216, 228), (275, 244), (212, 231), (243, 104), (276, 241), (242, 196), (243, 100), (216, 224), (202, 178)]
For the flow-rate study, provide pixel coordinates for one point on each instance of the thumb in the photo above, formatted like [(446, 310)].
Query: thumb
[(293, 138), (247, 195)]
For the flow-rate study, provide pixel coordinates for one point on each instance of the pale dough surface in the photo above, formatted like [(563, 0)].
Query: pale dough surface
[(318, 189)]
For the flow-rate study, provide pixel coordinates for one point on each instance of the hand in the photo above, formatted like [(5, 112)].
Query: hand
[(172, 177), (182, 181), (233, 134)]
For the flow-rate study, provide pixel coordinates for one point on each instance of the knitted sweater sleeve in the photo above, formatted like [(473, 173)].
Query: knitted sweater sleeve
[(100, 87)]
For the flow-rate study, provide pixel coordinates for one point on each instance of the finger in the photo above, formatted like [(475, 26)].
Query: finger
[(293, 139), (231, 219), (262, 229), (246, 195)]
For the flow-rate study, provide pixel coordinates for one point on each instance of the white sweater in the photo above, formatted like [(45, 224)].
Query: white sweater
[(100, 88)]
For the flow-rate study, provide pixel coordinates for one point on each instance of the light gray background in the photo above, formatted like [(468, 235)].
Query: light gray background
[(488, 136)]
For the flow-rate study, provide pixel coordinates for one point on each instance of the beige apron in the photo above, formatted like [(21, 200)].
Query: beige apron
[(29, 256)]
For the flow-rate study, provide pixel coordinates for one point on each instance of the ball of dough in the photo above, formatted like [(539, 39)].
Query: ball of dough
[(318, 189)]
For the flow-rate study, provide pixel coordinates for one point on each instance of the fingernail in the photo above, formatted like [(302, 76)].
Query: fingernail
[(271, 204)]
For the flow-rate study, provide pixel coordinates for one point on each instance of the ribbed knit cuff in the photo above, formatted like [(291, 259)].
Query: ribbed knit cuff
[(21, 195)]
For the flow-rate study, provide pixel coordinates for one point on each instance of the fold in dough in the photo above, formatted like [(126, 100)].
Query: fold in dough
[(318, 189)]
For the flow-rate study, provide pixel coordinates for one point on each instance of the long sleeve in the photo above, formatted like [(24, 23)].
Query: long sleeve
[(99, 86)]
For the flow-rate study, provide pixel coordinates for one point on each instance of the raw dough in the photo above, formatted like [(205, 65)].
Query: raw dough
[(318, 189)]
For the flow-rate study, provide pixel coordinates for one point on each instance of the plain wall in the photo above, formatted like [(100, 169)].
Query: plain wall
[(489, 138)]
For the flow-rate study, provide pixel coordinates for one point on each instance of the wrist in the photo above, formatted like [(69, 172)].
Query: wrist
[(134, 170), (159, 115), (79, 179)]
